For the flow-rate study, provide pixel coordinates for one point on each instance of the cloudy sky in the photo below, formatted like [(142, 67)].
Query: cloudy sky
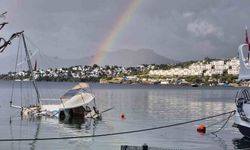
[(181, 29)]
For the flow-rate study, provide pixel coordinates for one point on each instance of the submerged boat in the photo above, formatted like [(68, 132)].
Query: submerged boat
[(77, 102), (242, 100)]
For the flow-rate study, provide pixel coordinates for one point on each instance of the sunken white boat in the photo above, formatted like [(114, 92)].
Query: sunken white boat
[(77, 102)]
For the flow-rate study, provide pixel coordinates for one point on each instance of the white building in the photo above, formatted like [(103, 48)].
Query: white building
[(197, 69)]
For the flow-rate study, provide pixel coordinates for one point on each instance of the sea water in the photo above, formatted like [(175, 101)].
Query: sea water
[(144, 106)]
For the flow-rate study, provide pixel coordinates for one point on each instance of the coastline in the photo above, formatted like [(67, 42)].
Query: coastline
[(194, 85)]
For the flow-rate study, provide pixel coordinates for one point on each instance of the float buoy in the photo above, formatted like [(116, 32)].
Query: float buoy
[(201, 128), (122, 116)]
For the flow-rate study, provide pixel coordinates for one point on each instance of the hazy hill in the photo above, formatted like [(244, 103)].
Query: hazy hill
[(122, 57), (133, 58)]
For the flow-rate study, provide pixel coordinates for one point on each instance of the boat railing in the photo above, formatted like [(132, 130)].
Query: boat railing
[(242, 97)]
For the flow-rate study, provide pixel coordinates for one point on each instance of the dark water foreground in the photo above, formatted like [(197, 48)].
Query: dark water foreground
[(144, 106)]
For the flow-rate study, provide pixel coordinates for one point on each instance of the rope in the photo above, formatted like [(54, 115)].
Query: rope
[(21, 69), (231, 114), (13, 82), (106, 110), (115, 133), (46, 61), (41, 55), (220, 121)]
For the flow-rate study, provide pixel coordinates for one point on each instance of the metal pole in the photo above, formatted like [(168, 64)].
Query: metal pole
[(31, 70)]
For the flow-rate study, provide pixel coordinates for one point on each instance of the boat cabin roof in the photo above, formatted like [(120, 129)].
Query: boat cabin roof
[(71, 93), (81, 87)]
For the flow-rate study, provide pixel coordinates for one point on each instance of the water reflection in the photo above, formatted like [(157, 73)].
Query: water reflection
[(241, 143), (35, 127), (80, 123), (73, 122), (144, 106), (36, 133), (180, 104), (33, 143), (218, 141)]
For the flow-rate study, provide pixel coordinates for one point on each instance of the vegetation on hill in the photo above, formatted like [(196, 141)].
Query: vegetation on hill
[(118, 74)]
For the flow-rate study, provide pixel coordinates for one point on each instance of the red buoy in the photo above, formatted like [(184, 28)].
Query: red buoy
[(123, 116), (201, 128)]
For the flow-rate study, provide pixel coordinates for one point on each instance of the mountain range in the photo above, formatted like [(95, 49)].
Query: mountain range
[(121, 58), (133, 58)]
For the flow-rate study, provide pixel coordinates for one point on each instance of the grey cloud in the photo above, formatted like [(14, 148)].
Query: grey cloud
[(202, 28), (182, 30)]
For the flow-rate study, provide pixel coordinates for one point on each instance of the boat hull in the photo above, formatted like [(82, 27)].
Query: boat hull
[(77, 102), (244, 130), (79, 112), (242, 125), (73, 112)]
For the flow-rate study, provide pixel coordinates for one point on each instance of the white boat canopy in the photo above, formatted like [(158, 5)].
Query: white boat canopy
[(76, 97), (78, 100)]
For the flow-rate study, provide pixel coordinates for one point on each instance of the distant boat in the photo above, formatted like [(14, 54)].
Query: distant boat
[(77, 102), (164, 82), (224, 84), (195, 85)]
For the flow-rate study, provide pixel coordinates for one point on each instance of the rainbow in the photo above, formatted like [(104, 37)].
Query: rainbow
[(116, 30)]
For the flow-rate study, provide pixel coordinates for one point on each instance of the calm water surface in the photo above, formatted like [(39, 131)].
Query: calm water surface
[(143, 105)]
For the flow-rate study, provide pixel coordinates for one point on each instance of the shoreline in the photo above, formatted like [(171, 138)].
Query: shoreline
[(141, 83)]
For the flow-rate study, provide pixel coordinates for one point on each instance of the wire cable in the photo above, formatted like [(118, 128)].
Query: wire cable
[(116, 133)]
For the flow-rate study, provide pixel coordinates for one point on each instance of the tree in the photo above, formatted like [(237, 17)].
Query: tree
[(95, 66)]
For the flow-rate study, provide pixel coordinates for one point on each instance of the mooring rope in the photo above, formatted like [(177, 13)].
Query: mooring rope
[(220, 121), (116, 133), (227, 119)]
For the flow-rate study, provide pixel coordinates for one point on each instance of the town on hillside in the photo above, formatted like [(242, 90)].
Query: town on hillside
[(205, 72)]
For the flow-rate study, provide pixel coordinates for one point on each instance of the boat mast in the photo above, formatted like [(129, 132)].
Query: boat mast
[(31, 70)]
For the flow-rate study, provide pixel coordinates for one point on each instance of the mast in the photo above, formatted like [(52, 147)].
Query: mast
[(31, 70)]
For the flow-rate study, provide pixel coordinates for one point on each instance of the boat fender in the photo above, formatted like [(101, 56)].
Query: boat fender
[(201, 128)]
